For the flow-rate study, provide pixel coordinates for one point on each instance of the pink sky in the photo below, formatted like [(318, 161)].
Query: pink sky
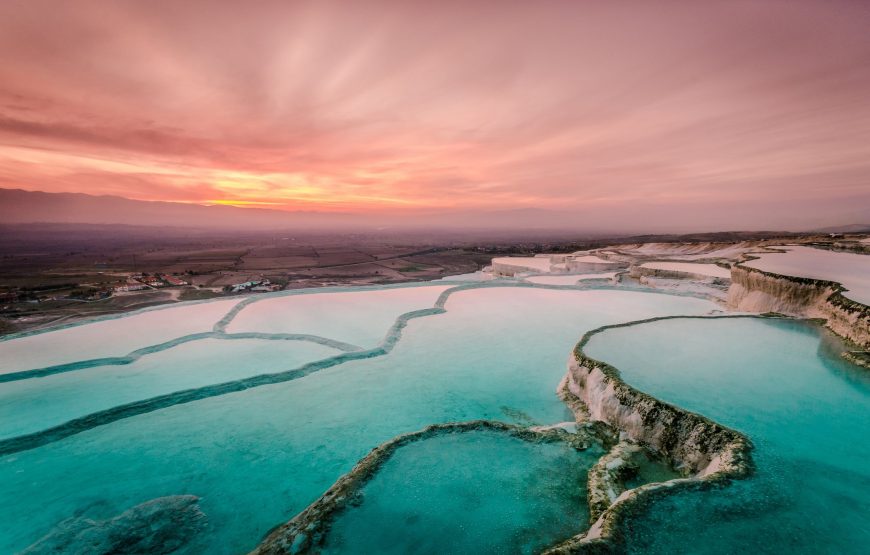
[(738, 114)]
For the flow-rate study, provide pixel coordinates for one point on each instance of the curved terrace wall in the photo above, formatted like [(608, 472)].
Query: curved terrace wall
[(581, 266), (307, 530), (510, 270), (706, 452), (756, 290), (638, 271)]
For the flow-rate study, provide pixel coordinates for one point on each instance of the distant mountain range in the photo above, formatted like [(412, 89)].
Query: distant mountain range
[(851, 228), (18, 206)]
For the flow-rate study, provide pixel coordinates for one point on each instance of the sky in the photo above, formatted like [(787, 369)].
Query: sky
[(684, 115)]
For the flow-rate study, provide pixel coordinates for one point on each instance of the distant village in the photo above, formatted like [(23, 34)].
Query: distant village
[(133, 283), (138, 282)]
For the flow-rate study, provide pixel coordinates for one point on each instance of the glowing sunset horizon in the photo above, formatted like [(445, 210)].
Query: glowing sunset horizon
[(729, 114)]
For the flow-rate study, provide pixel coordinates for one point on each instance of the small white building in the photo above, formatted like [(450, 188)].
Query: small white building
[(131, 286)]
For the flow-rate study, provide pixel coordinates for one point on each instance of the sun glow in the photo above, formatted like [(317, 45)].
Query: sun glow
[(240, 203)]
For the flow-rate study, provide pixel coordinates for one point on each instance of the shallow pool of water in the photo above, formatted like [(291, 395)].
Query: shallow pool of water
[(31, 405), (110, 337), (475, 492), (360, 317)]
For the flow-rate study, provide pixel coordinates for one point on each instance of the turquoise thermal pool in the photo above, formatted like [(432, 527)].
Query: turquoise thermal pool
[(359, 317), (511, 496), (806, 411), (256, 456), (110, 337), (30, 405), (250, 410)]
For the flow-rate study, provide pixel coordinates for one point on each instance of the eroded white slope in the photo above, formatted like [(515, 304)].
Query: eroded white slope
[(852, 270)]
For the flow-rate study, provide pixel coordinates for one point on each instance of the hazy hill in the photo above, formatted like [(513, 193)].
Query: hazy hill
[(851, 228), (18, 206), (24, 207)]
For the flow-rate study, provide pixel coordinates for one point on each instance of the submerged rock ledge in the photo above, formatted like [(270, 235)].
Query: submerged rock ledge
[(307, 530), (159, 526), (707, 453)]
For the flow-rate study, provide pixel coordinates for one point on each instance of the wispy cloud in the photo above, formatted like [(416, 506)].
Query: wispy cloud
[(629, 108)]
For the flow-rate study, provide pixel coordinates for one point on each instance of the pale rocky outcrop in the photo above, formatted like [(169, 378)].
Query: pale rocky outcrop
[(754, 290), (691, 442), (592, 266), (638, 271), (859, 358), (606, 479), (509, 270), (704, 451), (689, 251), (554, 264)]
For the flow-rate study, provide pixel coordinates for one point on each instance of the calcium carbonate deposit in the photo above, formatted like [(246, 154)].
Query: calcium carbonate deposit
[(307, 420)]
